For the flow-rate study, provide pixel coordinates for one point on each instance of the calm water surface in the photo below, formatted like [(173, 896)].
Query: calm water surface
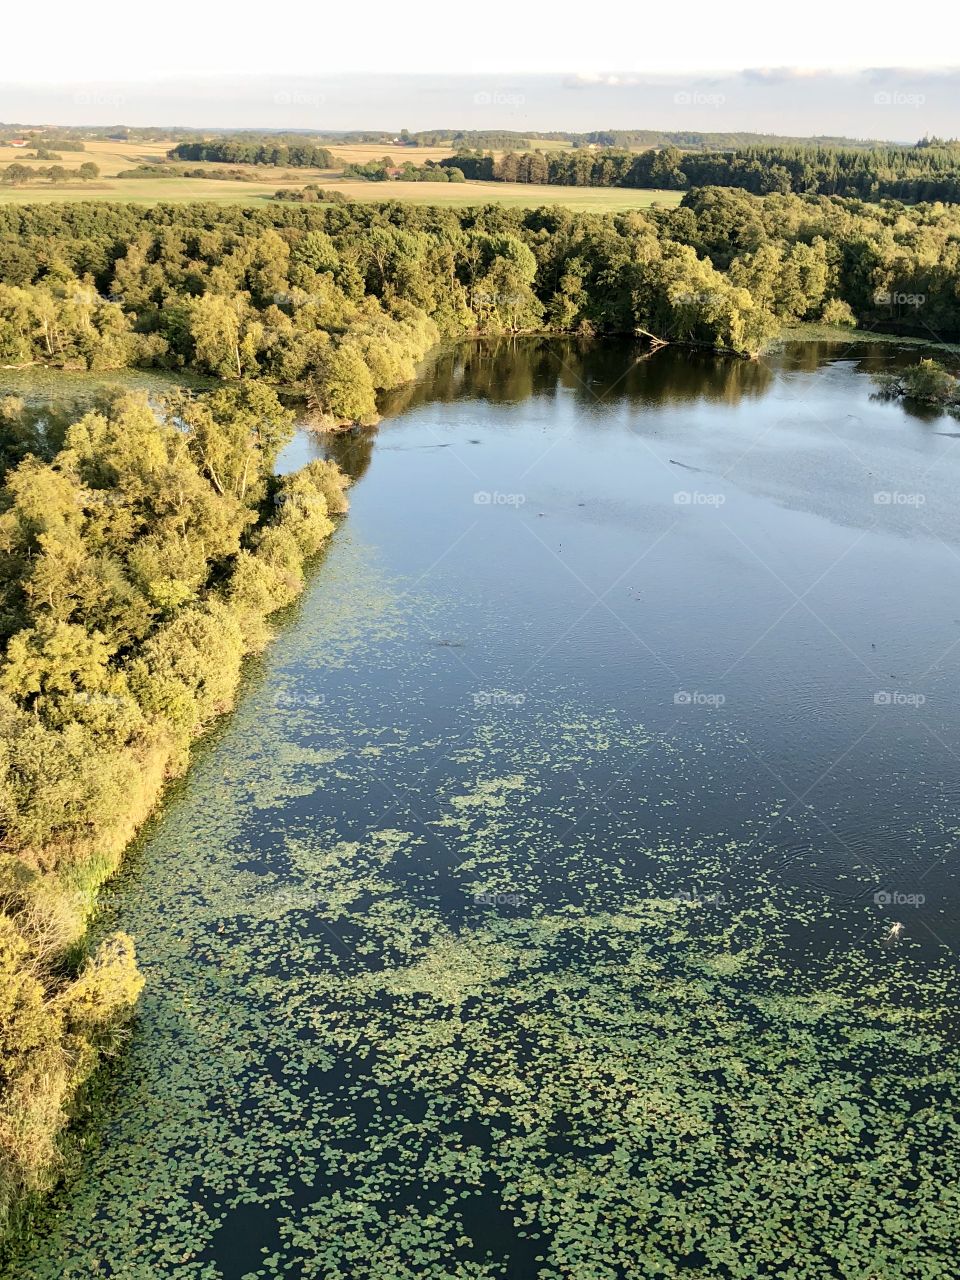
[(529, 917)]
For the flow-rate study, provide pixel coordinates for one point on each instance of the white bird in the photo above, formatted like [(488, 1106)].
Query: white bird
[(895, 931)]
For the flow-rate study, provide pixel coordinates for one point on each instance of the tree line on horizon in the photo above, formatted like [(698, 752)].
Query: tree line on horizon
[(66, 136), (255, 150), (913, 175)]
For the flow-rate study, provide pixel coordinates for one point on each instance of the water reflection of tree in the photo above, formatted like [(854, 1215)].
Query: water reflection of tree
[(512, 369), (867, 355), (352, 450), (509, 370), (36, 428)]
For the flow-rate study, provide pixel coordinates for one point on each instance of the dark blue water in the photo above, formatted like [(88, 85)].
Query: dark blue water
[(766, 547), (542, 881)]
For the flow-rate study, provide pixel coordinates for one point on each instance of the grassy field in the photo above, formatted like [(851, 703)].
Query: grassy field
[(550, 144), (457, 195)]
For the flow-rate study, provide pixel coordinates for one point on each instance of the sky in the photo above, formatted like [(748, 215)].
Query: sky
[(822, 67)]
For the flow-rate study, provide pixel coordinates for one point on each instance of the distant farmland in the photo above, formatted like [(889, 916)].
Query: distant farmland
[(454, 195), (113, 157)]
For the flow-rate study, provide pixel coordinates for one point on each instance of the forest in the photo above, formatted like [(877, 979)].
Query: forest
[(929, 171), (334, 301), (255, 150)]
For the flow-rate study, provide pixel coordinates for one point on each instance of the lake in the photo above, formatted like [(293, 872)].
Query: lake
[(573, 892)]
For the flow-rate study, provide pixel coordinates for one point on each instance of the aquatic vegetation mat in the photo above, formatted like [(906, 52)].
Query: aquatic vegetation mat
[(480, 1002)]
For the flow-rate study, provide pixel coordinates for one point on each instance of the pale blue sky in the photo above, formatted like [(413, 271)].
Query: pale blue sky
[(703, 65)]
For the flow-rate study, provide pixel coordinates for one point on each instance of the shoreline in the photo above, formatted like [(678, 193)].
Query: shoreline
[(93, 975)]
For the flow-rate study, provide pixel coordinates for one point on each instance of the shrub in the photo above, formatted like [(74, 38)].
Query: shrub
[(838, 312), (136, 571), (188, 672), (342, 385), (927, 382)]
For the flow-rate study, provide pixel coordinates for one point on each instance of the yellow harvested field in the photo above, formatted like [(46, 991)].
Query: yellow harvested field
[(452, 194), (364, 152), (112, 157), (513, 194)]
